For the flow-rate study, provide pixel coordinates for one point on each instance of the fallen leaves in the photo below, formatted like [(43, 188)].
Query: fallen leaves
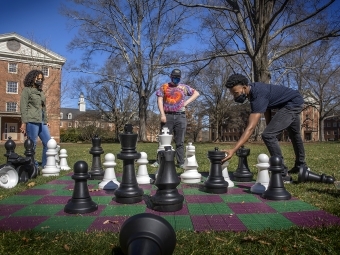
[(110, 221), (31, 184)]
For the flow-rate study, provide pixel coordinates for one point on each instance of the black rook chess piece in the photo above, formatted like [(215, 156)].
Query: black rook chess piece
[(146, 234), (276, 189), (81, 201), (305, 175), (167, 198), (242, 173), (215, 182), (128, 192), (96, 172), (32, 169)]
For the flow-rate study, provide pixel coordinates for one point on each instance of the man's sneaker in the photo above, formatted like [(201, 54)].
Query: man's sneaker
[(155, 164), (296, 169), (287, 179)]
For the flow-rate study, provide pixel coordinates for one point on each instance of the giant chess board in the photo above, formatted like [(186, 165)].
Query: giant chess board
[(42, 208)]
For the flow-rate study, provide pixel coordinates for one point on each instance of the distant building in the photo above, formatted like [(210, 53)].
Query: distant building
[(19, 55), (332, 128)]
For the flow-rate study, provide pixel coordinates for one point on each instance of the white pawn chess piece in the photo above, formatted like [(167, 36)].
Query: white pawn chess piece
[(63, 160), (190, 175), (262, 180), (109, 175), (225, 174), (50, 168), (142, 172)]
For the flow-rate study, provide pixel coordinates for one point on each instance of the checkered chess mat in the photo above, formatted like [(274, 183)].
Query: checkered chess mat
[(42, 208)]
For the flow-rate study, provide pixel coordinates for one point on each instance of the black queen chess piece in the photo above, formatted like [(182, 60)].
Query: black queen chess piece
[(167, 198), (242, 173), (81, 201), (276, 189), (128, 192), (305, 175), (215, 182), (96, 172)]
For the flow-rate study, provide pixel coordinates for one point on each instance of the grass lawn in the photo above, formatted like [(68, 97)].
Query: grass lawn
[(320, 157)]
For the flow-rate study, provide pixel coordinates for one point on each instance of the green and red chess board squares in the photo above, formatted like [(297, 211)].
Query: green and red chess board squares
[(42, 208)]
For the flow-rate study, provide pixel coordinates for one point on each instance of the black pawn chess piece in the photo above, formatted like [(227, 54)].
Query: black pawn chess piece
[(146, 234), (276, 189), (242, 173), (128, 192), (96, 172), (31, 168), (81, 201), (167, 198), (215, 182), (308, 176)]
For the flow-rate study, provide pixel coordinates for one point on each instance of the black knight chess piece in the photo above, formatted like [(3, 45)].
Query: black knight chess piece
[(307, 176), (167, 198), (242, 173), (276, 189), (96, 172), (81, 201), (128, 192), (215, 182)]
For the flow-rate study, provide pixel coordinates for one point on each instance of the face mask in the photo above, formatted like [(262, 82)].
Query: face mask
[(38, 83), (240, 99), (175, 80)]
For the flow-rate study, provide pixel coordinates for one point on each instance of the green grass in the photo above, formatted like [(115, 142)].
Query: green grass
[(320, 157)]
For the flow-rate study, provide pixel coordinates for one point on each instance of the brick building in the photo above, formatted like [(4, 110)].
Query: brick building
[(19, 55), (332, 128)]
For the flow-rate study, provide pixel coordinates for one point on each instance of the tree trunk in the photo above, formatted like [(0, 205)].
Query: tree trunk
[(142, 119)]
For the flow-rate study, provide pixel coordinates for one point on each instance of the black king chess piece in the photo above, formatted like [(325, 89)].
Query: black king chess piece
[(81, 201), (215, 182), (96, 172), (276, 189), (242, 173), (128, 192), (167, 198)]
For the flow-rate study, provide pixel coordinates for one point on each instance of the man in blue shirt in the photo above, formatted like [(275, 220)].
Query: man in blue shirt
[(263, 98)]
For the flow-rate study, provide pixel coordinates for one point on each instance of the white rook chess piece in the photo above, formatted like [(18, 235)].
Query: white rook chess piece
[(225, 174), (50, 168), (262, 180), (63, 160), (109, 179), (142, 173), (190, 175)]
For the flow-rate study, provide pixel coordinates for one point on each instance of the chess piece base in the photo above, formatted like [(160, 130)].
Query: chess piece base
[(190, 176), (128, 200), (258, 188), (276, 194), (143, 179), (80, 206), (167, 200)]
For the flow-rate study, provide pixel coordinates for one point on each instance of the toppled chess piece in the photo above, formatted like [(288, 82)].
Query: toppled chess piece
[(9, 177), (190, 175), (307, 176), (262, 180)]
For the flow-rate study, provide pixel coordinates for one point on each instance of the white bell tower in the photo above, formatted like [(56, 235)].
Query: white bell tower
[(81, 103)]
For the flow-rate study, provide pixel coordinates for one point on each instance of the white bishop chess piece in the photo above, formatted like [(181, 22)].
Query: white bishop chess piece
[(51, 169), (190, 175), (109, 180), (142, 172), (225, 174), (262, 180)]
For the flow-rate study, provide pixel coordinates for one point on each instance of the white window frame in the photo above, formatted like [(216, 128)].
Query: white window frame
[(7, 87), (9, 67), (69, 124), (44, 69), (61, 115), (8, 106), (69, 116)]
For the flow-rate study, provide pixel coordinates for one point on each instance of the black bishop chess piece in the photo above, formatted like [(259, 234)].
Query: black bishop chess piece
[(146, 234), (128, 192), (96, 172), (31, 168), (215, 182), (81, 201), (306, 175), (276, 189), (242, 173), (167, 198)]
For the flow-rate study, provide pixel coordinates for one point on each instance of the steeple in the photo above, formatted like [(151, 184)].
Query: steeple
[(81, 103)]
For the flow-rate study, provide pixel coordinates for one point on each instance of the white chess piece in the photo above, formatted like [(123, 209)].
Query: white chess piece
[(142, 173), (262, 180), (57, 158), (190, 175), (164, 139), (63, 160), (109, 174), (225, 174), (50, 168)]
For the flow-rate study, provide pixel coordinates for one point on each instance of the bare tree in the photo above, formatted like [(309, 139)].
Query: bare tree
[(141, 35)]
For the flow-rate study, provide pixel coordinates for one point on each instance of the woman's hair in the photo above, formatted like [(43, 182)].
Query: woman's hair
[(236, 79), (30, 77)]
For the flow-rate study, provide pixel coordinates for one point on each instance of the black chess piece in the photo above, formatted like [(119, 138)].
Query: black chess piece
[(146, 234), (96, 172), (242, 173), (167, 198), (128, 192), (81, 201), (31, 168), (276, 189), (215, 182), (308, 176)]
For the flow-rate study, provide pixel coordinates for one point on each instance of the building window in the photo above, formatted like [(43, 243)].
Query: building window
[(328, 124), (69, 116), (12, 87), (334, 124), (11, 107), (45, 71), (61, 124), (12, 67), (70, 124), (61, 115)]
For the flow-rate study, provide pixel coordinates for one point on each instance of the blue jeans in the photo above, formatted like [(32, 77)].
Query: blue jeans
[(34, 130)]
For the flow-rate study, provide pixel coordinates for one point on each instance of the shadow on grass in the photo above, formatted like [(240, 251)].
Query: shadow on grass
[(334, 193), (117, 251)]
